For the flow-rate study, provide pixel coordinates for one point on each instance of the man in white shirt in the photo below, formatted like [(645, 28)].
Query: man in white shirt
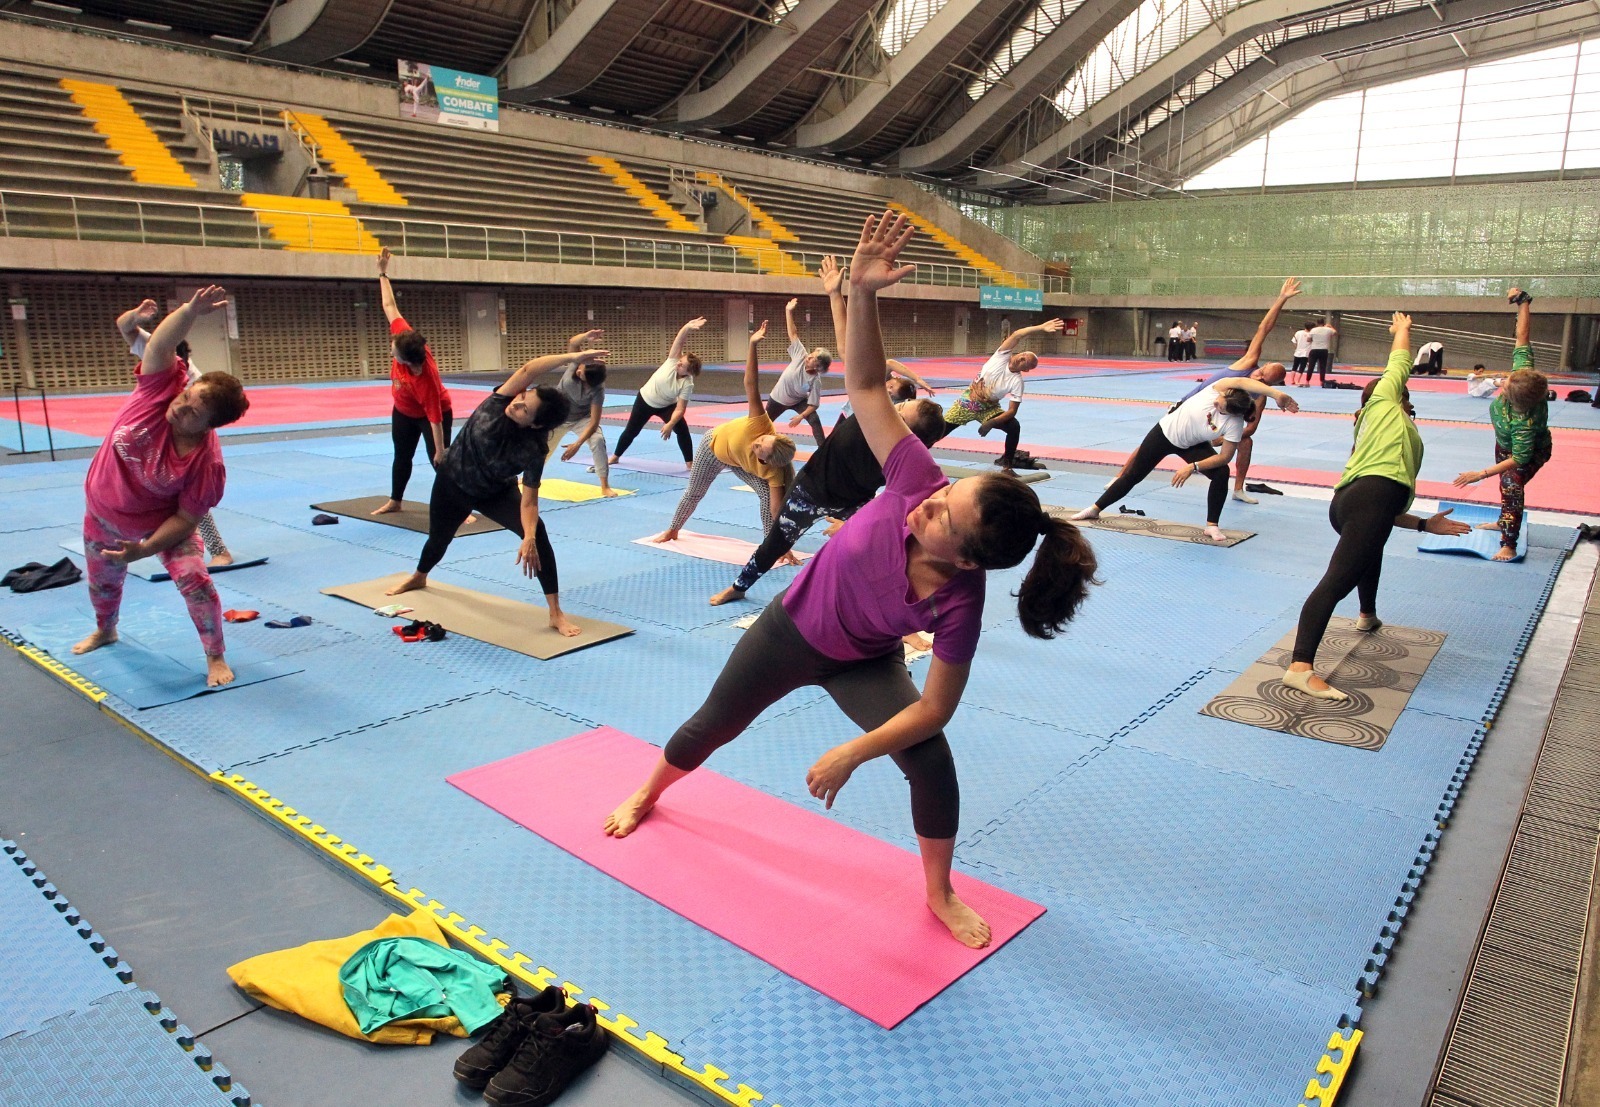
[(1429, 360), (1175, 343), (1322, 336), (998, 383), (799, 387), (1190, 333), (1302, 356)]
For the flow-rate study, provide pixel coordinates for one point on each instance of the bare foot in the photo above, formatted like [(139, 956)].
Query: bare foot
[(629, 813), (727, 595), (1506, 553), (1086, 515), (832, 528), (469, 520), (388, 507), (410, 584), (607, 491), (1215, 533), (95, 641), (612, 460), (223, 558), (217, 672), (918, 641), (966, 925), (1492, 524), (565, 626)]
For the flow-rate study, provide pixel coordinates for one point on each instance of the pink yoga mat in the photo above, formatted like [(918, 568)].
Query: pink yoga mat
[(838, 910), (710, 547)]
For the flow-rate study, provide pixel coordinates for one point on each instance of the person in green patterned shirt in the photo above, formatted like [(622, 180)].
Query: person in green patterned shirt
[(1373, 497), (1522, 443)]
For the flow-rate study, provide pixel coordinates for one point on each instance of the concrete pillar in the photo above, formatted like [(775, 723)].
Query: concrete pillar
[(1566, 344), (19, 334)]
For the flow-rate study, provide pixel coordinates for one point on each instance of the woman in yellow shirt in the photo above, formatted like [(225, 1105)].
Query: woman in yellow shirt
[(750, 446)]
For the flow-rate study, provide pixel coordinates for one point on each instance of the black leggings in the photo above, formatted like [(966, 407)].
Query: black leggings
[(1152, 450), (640, 415), (1321, 362), (1363, 514), (775, 409), (450, 507), (407, 431), (771, 660)]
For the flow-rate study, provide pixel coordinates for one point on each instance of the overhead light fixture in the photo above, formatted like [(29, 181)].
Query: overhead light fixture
[(776, 145), (353, 63), (602, 109), (145, 23), (68, 8), (230, 40), (745, 138), (648, 118), (558, 100)]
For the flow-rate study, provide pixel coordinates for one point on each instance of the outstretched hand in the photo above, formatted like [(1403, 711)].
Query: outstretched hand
[(830, 774), (1464, 479), (1287, 402), (759, 333), (590, 335), (882, 239), (1290, 289), (589, 357), (125, 554), (383, 261), (832, 275), (528, 557), (695, 324), (208, 299), (1401, 321), (1053, 326), (1440, 523), (146, 310)]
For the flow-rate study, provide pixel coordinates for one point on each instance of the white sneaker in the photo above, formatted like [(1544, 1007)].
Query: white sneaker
[(1244, 497)]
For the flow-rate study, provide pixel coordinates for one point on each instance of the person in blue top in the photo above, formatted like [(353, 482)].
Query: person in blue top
[(1522, 442)]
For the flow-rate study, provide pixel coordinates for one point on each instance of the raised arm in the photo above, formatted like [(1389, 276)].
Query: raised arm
[(683, 337), (534, 368), (578, 341), (161, 352), (874, 266), (1524, 302), (132, 321), (1252, 355), (898, 369), (1049, 326), (788, 318), (752, 374), (833, 287), (391, 309), (1256, 388)]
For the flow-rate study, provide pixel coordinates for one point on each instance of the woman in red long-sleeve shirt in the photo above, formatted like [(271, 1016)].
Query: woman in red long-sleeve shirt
[(421, 403)]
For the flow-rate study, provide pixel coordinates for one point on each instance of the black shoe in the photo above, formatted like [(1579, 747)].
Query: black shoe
[(503, 1036), (1024, 461), (555, 1051), (1264, 489)]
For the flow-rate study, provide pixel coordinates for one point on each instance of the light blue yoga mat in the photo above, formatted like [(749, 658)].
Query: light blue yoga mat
[(150, 568), (1477, 543), (148, 669)]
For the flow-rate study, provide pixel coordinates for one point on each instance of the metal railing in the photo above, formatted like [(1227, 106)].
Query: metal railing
[(120, 219)]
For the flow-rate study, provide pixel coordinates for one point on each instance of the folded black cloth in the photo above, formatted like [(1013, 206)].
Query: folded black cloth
[(36, 577), (1265, 489), (324, 520)]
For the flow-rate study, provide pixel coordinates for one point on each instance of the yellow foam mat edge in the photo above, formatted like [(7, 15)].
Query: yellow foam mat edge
[(61, 672), (1319, 1094)]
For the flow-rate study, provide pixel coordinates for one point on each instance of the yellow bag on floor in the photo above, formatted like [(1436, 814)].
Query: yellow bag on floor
[(305, 981)]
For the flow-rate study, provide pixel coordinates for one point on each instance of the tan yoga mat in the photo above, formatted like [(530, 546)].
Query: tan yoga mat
[(1377, 670), (510, 624), (411, 516), (957, 472), (1154, 528)]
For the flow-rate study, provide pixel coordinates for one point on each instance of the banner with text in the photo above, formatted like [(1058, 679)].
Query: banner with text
[(1001, 296), (435, 94)]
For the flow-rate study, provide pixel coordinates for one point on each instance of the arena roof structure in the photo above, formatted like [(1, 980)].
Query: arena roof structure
[(1036, 100)]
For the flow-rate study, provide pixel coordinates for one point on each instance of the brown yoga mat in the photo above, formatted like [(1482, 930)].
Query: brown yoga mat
[(411, 516), (511, 624), (1154, 528), (1378, 671)]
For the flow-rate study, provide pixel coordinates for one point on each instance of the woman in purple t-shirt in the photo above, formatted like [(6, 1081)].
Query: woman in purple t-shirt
[(913, 559)]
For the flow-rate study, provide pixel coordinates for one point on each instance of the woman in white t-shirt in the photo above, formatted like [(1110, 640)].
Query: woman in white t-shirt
[(1302, 356), (1218, 413), (666, 396)]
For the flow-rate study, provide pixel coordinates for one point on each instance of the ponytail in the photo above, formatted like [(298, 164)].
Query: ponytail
[(1058, 581), (1063, 568)]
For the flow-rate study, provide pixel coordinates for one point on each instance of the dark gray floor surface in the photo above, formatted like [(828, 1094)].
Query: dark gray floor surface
[(183, 881)]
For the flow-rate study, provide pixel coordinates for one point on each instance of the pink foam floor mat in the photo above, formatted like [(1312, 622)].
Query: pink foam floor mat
[(836, 909), (709, 547)]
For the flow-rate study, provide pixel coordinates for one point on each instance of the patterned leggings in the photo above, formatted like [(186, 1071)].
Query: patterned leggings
[(705, 469), (212, 536), (796, 517), (185, 563), (1512, 482)]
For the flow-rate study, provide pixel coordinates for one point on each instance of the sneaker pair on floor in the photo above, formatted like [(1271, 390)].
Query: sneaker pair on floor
[(1022, 459), (528, 1056), (418, 630)]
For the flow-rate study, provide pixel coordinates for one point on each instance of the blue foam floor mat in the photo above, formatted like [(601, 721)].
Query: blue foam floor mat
[(1475, 543), (1177, 853)]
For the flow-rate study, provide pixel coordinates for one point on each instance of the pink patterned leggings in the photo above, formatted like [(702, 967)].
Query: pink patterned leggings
[(1512, 483), (185, 563)]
